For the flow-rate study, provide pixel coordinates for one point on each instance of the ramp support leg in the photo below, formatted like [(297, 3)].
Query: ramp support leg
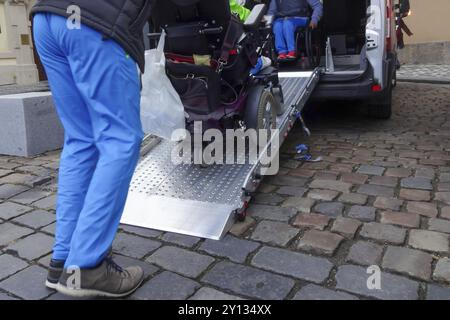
[(303, 123)]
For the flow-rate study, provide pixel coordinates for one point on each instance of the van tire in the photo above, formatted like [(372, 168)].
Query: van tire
[(382, 107), (394, 79)]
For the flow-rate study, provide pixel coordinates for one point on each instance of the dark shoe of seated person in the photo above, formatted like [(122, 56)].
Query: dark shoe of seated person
[(107, 280), (56, 268)]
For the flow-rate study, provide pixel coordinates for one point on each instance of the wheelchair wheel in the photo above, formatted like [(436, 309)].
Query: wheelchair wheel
[(280, 106), (261, 109)]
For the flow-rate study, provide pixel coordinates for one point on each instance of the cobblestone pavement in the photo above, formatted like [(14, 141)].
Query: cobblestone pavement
[(425, 72), (380, 197)]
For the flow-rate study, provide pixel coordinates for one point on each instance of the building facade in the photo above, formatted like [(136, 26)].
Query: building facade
[(429, 21), (17, 64)]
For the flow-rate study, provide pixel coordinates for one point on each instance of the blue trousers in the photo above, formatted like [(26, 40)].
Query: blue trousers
[(96, 90), (284, 30)]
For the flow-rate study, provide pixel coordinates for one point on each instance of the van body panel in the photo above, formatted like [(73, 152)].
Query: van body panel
[(348, 87), (345, 87), (376, 31)]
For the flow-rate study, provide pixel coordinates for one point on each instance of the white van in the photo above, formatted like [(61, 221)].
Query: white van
[(361, 61)]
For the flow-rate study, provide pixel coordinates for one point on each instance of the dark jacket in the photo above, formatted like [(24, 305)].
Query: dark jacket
[(296, 8), (404, 7), (121, 20)]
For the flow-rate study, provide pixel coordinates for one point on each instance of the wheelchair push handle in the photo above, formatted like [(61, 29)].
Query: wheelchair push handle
[(256, 16)]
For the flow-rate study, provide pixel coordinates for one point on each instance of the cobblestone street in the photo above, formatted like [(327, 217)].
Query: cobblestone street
[(381, 196)]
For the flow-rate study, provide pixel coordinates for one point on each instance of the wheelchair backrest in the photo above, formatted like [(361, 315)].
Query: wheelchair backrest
[(170, 12), (192, 26)]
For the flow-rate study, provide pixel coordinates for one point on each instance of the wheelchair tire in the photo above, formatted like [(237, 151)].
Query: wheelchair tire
[(261, 109), (280, 107)]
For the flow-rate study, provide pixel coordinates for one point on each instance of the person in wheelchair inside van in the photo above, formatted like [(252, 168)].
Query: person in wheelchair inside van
[(238, 8), (289, 15)]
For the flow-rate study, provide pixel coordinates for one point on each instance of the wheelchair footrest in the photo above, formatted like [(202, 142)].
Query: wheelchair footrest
[(267, 75)]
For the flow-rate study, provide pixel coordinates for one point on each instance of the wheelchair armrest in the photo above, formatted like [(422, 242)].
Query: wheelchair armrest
[(254, 19)]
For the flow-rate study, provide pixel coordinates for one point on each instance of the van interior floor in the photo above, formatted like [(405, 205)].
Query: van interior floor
[(344, 68)]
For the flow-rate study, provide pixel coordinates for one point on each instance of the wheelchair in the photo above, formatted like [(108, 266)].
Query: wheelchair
[(308, 49), (209, 56)]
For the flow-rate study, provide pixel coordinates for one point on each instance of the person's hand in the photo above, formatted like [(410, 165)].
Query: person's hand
[(313, 25)]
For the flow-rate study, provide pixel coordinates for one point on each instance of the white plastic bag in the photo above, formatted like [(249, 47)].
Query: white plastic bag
[(162, 111)]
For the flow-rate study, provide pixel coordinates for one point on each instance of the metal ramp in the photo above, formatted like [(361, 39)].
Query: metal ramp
[(203, 202)]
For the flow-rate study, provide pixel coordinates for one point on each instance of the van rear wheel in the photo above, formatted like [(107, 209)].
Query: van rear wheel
[(382, 107)]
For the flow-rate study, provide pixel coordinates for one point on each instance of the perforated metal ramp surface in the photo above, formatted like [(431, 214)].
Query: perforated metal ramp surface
[(294, 85), (192, 200)]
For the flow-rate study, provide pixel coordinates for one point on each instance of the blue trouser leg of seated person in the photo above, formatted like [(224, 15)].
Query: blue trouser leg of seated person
[(284, 30), (280, 43), (96, 89)]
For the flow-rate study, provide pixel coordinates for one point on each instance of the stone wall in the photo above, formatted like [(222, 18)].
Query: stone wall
[(429, 21), (426, 53)]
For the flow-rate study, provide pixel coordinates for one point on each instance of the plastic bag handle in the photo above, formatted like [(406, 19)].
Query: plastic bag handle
[(160, 48)]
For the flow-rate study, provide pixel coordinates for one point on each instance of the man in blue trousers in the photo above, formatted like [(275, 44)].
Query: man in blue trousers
[(290, 15), (92, 66)]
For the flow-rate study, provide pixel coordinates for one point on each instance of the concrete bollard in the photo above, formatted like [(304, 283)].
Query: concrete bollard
[(29, 124)]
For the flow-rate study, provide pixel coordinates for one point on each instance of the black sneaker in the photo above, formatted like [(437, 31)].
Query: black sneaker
[(56, 268)]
